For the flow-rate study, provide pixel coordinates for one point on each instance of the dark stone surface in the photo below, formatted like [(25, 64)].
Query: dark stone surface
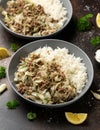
[(48, 119)]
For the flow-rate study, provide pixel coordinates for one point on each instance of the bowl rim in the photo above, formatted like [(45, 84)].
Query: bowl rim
[(40, 37), (60, 104)]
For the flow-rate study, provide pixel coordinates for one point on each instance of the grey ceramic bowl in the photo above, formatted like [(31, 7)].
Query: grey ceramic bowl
[(26, 49), (66, 3)]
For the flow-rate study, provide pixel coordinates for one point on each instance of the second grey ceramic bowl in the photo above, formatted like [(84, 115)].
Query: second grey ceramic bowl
[(26, 49), (66, 3)]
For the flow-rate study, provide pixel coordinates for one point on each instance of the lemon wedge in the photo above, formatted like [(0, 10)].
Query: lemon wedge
[(76, 118), (98, 20), (4, 53)]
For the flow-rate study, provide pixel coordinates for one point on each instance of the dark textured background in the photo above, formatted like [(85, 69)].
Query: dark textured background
[(54, 119)]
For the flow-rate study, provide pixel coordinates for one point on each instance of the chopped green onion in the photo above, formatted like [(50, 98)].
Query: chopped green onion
[(31, 116)]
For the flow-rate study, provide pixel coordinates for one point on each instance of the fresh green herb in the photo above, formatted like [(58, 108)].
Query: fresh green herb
[(2, 72), (14, 47), (12, 104), (84, 24), (31, 116), (95, 40)]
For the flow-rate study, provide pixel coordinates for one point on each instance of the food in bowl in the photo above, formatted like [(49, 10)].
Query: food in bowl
[(50, 76), (34, 17)]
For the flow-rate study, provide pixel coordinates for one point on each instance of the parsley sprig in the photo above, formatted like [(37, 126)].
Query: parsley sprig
[(2, 72), (95, 40), (14, 47), (84, 24), (12, 104)]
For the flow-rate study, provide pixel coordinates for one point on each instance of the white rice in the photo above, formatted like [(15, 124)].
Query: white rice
[(72, 66), (55, 8)]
